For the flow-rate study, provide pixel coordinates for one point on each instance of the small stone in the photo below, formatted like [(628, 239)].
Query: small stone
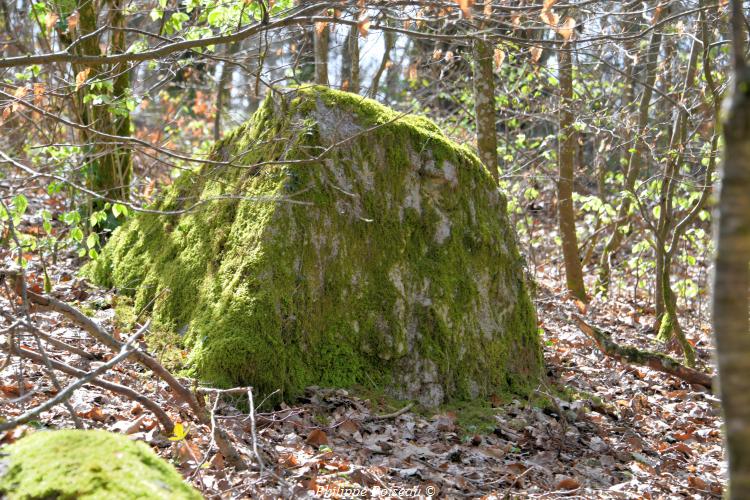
[(518, 424)]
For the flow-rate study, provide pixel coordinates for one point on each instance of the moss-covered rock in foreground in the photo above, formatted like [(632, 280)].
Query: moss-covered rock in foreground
[(367, 248), (77, 464)]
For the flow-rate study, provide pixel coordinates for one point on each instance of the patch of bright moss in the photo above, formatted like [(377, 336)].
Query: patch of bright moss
[(477, 417), (125, 314), (74, 464), (386, 261)]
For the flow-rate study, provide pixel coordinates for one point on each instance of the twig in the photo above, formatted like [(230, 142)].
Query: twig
[(261, 466), (122, 390), (63, 395), (387, 416), (518, 477), (211, 390), (213, 437), (164, 50), (19, 399), (25, 309), (45, 302), (55, 383), (58, 343)]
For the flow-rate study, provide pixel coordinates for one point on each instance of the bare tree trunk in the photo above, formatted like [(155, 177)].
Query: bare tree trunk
[(566, 169), (393, 78), (346, 63), (732, 270), (668, 324), (350, 62), (322, 39), (635, 161), (122, 166), (670, 327), (484, 105), (109, 165), (222, 92), (389, 39)]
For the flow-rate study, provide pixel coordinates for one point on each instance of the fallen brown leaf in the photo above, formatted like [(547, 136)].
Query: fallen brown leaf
[(567, 484), (317, 438)]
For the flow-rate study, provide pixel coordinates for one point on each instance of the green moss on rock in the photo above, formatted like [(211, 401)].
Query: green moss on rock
[(366, 249), (74, 464)]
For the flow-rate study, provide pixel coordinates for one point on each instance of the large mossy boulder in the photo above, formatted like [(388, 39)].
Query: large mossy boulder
[(77, 464), (343, 244)]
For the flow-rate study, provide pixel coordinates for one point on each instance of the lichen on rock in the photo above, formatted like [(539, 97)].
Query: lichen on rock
[(343, 244), (78, 464)]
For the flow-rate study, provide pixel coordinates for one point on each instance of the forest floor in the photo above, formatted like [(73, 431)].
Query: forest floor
[(598, 428)]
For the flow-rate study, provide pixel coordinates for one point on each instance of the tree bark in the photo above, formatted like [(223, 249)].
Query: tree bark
[(566, 170), (322, 39), (121, 167), (732, 270), (350, 62), (221, 94), (109, 166), (484, 105)]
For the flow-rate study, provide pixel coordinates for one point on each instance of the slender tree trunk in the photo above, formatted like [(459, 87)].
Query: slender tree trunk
[(346, 63), (658, 284), (394, 76), (670, 327), (635, 162), (109, 169), (116, 168), (322, 42), (221, 95), (350, 62), (668, 324), (732, 270), (659, 303), (566, 170), (484, 105), (122, 166), (389, 40)]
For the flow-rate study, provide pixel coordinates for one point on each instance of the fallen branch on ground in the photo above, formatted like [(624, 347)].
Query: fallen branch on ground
[(48, 303), (60, 344), (631, 355), (62, 396), (161, 416), (388, 416)]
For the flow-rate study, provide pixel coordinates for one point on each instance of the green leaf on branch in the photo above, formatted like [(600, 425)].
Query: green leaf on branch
[(77, 234)]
